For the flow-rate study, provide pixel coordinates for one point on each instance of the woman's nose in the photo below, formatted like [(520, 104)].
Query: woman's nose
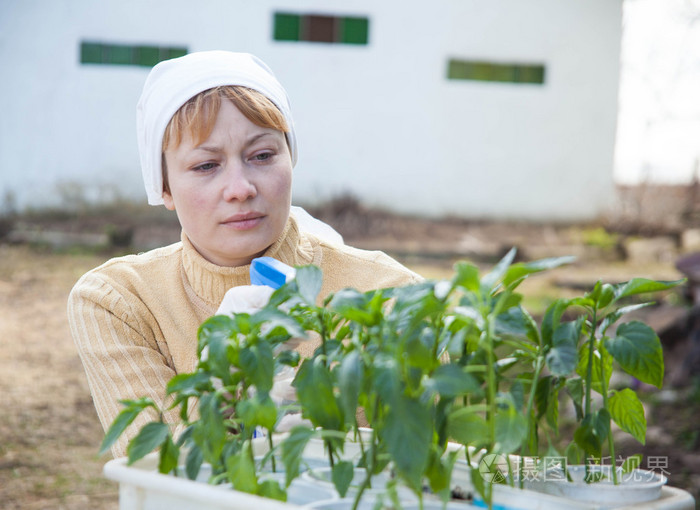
[(237, 184)]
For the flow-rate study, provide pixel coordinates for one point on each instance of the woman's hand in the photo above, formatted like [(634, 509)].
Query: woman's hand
[(245, 299)]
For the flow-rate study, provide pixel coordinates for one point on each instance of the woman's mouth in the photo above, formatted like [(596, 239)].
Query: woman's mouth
[(244, 221)]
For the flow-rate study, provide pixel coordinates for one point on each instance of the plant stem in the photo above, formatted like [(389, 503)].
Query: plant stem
[(366, 483), (491, 392), (589, 372), (539, 364), (491, 386), (331, 462), (323, 333), (272, 456), (611, 442), (358, 434)]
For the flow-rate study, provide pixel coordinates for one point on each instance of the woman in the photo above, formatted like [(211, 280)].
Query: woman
[(217, 146)]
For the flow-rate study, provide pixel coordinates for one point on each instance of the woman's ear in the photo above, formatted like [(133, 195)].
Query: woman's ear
[(167, 197), (168, 201)]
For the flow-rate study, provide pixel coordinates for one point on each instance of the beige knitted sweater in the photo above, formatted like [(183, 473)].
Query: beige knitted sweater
[(134, 319)]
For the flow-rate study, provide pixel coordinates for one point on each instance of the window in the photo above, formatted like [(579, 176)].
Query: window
[(320, 28), (122, 54), (489, 71)]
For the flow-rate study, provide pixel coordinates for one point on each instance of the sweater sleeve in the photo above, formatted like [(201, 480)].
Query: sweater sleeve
[(119, 352)]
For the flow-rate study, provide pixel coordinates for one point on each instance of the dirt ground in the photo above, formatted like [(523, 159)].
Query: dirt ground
[(49, 432)]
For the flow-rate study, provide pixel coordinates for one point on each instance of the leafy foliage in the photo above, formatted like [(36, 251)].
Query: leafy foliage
[(458, 360)]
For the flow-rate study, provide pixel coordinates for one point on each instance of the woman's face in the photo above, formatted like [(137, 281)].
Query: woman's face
[(232, 193)]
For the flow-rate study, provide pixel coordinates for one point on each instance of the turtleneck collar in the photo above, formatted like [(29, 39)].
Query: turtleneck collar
[(210, 281)]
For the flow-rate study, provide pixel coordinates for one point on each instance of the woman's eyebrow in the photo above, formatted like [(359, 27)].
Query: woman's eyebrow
[(208, 148), (218, 148)]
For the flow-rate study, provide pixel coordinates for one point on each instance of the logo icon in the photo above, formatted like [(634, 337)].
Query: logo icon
[(493, 468)]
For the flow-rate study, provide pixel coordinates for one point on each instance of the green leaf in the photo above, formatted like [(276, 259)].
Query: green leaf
[(627, 411), (288, 358), (342, 476), (600, 359), (309, 280), (543, 395), (637, 348), (439, 472), (466, 276), (271, 489), (194, 461), (594, 294), (123, 420), (592, 432), (499, 270), (562, 357), (575, 388), (413, 304), (417, 353), (258, 365), (643, 286), (518, 323), (150, 437), (451, 380), (189, 384), (553, 409), (408, 423), (292, 448), (467, 427), (240, 469), (480, 484), (278, 323), (511, 430), (562, 360), (607, 294), (507, 300), (551, 319), (219, 335), (521, 269), (386, 378), (169, 456), (583, 302), (314, 384), (517, 393), (350, 376), (209, 431), (259, 410), (356, 306), (612, 317)]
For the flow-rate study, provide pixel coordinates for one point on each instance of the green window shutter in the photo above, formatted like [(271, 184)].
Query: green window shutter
[(531, 74), (119, 55), (489, 71), (147, 56), (173, 53), (122, 54), (482, 71), (354, 30), (461, 70), (287, 27), (503, 73), (90, 53)]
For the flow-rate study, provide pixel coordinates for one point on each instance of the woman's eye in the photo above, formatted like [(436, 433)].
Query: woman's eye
[(204, 167), (263, 156)]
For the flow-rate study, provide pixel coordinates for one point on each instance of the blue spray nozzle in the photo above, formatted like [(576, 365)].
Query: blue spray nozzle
[(270, 272)]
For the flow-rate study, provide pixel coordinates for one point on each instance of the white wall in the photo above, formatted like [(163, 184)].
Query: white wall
[(659, 115), (380, 121)]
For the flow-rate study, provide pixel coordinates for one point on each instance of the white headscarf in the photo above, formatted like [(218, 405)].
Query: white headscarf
[(172, 83)]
